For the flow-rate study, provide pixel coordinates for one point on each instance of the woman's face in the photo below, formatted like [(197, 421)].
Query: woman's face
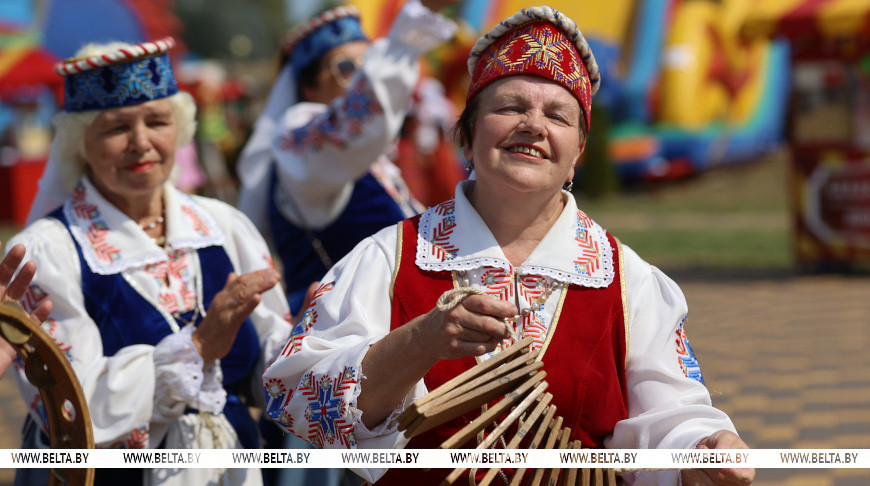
[(130, 150), (527, 135), (338, 66)]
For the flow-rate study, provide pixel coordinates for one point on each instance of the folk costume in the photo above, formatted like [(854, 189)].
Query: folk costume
[(610, 326), (314, 177), (646, 390), (126, 306)]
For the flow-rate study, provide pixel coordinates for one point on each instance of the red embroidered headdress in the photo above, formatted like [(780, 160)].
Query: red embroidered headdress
[(539, 41)]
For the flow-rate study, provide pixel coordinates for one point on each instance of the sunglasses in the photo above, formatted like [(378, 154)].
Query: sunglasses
[(342, 68)]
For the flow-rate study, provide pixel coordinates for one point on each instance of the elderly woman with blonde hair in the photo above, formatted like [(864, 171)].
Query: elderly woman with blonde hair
[(166, 304)]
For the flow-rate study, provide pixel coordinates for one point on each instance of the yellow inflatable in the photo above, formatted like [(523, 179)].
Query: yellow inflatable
[(709, 74)]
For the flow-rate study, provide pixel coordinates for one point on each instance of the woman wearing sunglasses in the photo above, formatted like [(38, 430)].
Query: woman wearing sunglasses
[(314, 175)]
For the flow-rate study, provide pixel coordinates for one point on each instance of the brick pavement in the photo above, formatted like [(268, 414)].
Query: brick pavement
[(787, 359), (785, 356)]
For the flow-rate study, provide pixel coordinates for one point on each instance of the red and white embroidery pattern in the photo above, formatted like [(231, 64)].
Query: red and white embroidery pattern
[(96, 229), (33, 297), (498, 282), (196, 222), (338, 125), (138, 439), (588, 259), (534, 326), (302, 329), (440, 244), (174, 279)]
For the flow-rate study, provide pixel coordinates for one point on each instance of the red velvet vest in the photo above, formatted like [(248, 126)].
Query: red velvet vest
[(584, 360)]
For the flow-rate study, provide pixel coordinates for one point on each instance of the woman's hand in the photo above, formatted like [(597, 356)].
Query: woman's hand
[(13, 290), (395, 363), (473, 327), (228, 310), (722, 439)]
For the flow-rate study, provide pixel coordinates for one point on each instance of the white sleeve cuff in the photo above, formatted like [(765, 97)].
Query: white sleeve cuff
[(181, 380), (389, 425), (419, 27)]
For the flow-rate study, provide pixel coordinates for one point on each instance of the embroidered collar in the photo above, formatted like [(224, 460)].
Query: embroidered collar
[(452, 236), (112, 242)]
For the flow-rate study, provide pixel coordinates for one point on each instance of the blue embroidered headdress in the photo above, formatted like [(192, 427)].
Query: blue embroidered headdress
[(310, 41), (124, 77)]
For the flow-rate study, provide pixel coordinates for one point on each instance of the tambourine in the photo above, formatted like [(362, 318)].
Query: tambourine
[(49, 370)]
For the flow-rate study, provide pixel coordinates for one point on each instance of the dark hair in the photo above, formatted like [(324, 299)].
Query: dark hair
[(463, 130), (308, 77)]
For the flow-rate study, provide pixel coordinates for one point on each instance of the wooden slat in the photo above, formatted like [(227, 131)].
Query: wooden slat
[(543, 427), (552, 437), (522, 430), (467, 432), (474, 399), (553, 474), (494, 361)]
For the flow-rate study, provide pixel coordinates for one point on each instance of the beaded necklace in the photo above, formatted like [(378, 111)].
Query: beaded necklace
[(159, 240)]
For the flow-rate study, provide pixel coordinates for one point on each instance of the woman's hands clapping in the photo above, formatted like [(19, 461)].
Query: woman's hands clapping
[(228, 310)]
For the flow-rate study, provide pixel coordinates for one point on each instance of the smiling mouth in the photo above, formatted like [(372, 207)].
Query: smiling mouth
[(527, 151), (139, 166)]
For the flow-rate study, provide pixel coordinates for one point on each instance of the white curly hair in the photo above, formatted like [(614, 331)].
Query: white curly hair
[(69, 146)]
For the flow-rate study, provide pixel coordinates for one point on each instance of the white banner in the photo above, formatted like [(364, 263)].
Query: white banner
[(623, 459)]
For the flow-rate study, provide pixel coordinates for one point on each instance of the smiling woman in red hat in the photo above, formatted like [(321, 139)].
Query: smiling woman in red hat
[(165, 304), (609, 326)]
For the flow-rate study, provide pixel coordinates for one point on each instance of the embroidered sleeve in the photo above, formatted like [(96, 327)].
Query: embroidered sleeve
[(120, 418), (311, 389), (248, 252), (319, 151), (669, 406)]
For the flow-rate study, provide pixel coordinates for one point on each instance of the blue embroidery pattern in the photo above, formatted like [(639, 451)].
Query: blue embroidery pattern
[(327, 409), (339, 124), (308, 320), (277, 397), (122, 84), (688, 362)]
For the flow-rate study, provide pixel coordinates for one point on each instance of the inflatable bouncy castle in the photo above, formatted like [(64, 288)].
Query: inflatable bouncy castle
[(683, 89), (696, 94)]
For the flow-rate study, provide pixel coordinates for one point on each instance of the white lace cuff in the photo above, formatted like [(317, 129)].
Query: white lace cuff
[(421, 28), (212, 396), (389, 425), (181, 380)]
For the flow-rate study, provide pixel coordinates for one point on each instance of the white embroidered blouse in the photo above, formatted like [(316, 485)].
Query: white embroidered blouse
[(134, 395), (313, 386), (320, 150)]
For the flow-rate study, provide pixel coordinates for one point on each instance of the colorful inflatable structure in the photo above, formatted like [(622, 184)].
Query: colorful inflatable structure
[(684, 91), (695, 94)]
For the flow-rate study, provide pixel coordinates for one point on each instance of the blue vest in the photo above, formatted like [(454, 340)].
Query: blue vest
[(369, 210), (125, 318)]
